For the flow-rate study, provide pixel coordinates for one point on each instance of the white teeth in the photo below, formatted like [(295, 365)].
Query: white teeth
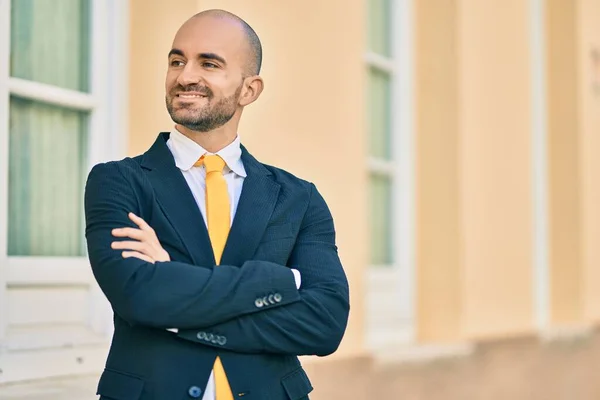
[(189, 96)]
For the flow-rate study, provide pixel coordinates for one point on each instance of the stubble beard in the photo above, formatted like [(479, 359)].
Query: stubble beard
[(208, 117)]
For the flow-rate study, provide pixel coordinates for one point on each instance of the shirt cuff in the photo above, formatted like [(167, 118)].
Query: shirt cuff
[(297, 278), (174, 330)]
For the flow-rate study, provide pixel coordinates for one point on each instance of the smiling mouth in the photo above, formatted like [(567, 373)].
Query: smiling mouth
[(190, 96)]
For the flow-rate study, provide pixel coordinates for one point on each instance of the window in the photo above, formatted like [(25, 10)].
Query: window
[(390, 281), (381, 163), (62, 110), (48, 140)]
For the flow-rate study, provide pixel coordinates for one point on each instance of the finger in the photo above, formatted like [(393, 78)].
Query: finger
[(132, 233), (139, 222), (135, 254), (131, 245), (144, 227)]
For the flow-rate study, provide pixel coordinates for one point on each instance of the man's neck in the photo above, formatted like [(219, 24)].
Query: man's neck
[(211, 141)]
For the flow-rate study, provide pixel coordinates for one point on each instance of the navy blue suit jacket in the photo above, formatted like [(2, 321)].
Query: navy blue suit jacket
[(247, 310)]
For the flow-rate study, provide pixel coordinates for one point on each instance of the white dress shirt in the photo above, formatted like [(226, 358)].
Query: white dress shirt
[(186, 152)]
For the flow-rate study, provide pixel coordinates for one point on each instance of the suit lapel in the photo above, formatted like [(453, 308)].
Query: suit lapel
[(257, 201), (177, 202)]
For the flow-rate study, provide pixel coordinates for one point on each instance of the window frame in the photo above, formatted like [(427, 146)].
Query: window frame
[(391, 288), (107, 104), (540, 178)]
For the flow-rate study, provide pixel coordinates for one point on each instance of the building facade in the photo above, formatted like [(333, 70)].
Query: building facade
[(455, 141)]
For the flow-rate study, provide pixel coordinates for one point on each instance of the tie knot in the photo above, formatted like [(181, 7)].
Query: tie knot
[(212, 163)]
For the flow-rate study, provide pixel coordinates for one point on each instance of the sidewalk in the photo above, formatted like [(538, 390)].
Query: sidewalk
[(79, 388), (557, 366)]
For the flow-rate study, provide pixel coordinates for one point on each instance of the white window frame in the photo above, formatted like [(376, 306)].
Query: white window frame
[(541, 252), (391, 288), (107, 104)]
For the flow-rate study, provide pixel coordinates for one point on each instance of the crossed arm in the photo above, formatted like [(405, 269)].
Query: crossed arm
[(145, 288)]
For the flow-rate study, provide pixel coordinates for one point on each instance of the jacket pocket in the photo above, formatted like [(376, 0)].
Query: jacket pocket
[(296, 384), (120, 386)]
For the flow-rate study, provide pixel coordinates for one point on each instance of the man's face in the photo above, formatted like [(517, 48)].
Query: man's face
[(204, 77)]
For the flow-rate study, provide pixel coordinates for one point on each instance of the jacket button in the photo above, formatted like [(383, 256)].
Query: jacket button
[(194, 392), (259, 303), (201, 335), (271, 299), (222, 340), (277, 297)]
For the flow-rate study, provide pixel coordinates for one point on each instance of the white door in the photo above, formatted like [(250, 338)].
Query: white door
[(61, 111)]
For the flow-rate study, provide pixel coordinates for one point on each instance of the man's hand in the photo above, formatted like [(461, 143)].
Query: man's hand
[(146, 245)]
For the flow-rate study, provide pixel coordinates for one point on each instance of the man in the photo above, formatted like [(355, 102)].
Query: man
[(220, 270)]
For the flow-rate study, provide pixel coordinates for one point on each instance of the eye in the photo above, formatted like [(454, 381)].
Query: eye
[(208, 64), (176, 63)]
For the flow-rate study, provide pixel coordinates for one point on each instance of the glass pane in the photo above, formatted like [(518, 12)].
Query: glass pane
[(379, 26), (47, 164), (380, 96), (381, 220), (50, 42)]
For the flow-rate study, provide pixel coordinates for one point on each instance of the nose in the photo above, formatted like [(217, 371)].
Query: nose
[(189, 75)]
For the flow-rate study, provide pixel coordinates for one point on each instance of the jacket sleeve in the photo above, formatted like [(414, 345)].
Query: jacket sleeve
[(167, 294), (312, 326)]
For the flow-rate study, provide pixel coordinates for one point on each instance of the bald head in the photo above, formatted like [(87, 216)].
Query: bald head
[(212, 73), (254, 47)]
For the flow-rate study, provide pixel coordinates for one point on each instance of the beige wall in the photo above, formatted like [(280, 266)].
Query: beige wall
[(309, 120), (474, 121), (474, 173), (439, 301), (589, 38), (495, 163), (564, 140), (574, 139)]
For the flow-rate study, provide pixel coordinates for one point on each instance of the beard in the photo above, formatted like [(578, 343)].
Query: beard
[(204, 118)]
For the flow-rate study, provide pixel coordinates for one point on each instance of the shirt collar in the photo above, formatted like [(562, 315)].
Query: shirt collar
[(186, 152)]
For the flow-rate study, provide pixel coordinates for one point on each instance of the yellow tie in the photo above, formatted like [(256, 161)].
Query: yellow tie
[(218, 220)]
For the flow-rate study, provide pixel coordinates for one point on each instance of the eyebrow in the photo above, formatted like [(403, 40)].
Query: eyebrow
[(207, 56), (212, 56), (176, 52)]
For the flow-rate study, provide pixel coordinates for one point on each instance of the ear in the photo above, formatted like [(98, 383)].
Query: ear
[(253, 87)]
